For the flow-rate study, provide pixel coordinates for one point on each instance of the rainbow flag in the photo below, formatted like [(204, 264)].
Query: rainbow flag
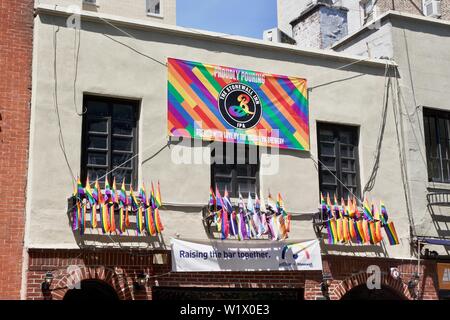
[(360, 235), (352, 230), (345, 209), (75, 216), (329, 206), (158, 222), (340, 230), (355, 208), (123, 206), (324, 207), (391, 234), (378, 235), (149, 222), (143, 195), (345, 230), (158, 197), (104, 217), (112, 219), (366, 232), (212, 200), (384, 214), (108, 192), (332, 231), (80, 189), (372, 234), (367, 211), (114, 192), (139, 221), (83, 219), (225, 224)]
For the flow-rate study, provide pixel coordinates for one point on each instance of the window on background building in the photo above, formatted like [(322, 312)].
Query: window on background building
[(338, 153), (368, 9), (154, 7), (109, 140), (236, 167), (437, 141)]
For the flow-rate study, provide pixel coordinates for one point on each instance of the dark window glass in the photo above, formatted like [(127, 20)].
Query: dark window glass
[(338, 154), (236, 167), (437, 141), (109, 140)]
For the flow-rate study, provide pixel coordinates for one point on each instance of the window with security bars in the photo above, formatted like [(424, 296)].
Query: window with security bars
[(109, 141), (236, 167), (437, 141), (338, 155)]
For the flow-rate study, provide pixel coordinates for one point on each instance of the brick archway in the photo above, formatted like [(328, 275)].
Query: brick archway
[(64, 278), (338, 290)]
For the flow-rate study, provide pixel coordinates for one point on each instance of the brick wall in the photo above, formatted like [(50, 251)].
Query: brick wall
[(411, 6), (16, 22), (119, 270)]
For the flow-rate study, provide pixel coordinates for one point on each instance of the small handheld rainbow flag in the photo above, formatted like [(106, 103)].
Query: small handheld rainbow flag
[(372, 235), (360, 235), (384, 214), (365, 227), (80, 189), (378, 235), (367, 211), (104, 217), (158, 196), (332, 231), (345, 230), (340, 231), (352, 230), (391, 234), (149, 222), (158, 222)]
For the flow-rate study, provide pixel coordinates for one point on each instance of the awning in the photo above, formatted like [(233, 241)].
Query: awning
[(435, 241)]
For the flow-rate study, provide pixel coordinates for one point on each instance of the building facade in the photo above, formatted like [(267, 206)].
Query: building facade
[(319, 24), (419, 46), (101, 89), (16, 31)]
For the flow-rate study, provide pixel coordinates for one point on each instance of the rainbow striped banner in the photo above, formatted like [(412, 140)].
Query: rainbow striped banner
[(218, 103)]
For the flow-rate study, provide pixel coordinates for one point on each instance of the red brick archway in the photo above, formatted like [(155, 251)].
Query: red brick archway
[(65, 279), (340, 288)]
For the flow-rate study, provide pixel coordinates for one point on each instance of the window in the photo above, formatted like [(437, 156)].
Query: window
[(153, 7), (437, 140), (109, 139), (338, 153), (369, 10), (236, 167)]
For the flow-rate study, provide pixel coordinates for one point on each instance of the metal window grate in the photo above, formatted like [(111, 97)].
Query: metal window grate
[(109, 139), (437, 138), (236, 167), (338, 153)]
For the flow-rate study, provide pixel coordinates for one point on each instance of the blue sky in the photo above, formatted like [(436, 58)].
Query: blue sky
[(238, 17)]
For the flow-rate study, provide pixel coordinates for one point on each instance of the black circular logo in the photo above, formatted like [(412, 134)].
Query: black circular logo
[(240, 106)]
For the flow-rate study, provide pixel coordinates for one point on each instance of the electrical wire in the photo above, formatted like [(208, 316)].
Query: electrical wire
[(372, 177), (76, 50), (56, 106)]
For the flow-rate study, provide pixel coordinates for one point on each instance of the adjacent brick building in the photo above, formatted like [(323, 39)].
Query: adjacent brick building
[(16, 32)]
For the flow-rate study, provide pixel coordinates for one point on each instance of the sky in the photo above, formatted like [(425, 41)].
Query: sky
[(237, 17)]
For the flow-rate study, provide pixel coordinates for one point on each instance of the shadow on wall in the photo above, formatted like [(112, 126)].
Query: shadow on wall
[(438, 206)]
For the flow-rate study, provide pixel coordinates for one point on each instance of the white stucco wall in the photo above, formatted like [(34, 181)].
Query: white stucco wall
[(421, 47), (352, 95), (136, 9)]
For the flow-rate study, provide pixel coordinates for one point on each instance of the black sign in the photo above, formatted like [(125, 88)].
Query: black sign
[(240, 106)]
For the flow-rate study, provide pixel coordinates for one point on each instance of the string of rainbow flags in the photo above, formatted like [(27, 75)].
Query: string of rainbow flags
[(145, 207), (346, 224), (253, 220)]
